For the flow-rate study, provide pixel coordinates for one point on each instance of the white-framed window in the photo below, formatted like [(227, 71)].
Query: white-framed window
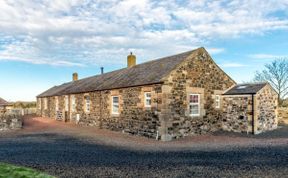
[(147, 99), (45, 103), (194, 104), (217, 101), (66, 103), (73, 103), (56, 103), (115, 104), (87, 103)]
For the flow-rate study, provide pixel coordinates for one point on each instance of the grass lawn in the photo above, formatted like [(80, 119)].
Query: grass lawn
[(9, 171)]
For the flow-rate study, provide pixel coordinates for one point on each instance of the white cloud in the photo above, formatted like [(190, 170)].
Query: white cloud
[(267, 56), (215, 50), (232, 65), (92, 31)]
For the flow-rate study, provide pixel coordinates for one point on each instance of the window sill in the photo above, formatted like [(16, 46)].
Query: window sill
[(115, 115), (198, 115)]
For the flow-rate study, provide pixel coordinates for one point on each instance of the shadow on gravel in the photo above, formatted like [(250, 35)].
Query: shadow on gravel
[(280, 132), (66, 156)]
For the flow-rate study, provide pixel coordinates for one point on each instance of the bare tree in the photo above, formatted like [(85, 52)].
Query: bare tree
[(276, 73)]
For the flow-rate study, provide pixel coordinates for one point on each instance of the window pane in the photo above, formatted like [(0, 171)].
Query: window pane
[(115, 108), (115, 99), (148, 95), (87, 98), (194, 98), (194, 109), (73, 103), (147, 99), (148, 102), (115, 104)]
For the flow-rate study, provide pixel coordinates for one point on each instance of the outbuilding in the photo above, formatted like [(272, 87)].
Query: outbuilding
[(250, 108), (4, 105)]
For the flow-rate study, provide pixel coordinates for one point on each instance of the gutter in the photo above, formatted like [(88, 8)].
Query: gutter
[(89, 91), (231, 94)]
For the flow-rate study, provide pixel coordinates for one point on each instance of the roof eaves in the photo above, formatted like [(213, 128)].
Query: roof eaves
[(89, 91), (239, 94)]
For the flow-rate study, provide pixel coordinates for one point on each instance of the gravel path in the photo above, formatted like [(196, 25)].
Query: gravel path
[(66, 150)]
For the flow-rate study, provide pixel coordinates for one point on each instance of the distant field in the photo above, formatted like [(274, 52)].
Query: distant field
[(7, 170)]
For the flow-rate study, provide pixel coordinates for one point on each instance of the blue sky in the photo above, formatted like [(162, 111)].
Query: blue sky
[(42, 42)]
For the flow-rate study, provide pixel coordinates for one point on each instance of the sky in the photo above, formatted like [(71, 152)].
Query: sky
[(42, 42)]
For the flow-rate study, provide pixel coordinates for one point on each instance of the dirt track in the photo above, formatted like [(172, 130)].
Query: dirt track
[(67, 150)]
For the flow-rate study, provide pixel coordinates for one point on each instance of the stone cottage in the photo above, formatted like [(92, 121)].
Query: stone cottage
[(4, 105), (250, 108), (165, 99)]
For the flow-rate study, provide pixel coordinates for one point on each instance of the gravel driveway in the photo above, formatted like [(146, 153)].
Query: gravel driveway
[(66, 150)]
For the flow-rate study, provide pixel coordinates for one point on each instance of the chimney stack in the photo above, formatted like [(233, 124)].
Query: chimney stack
[(75, 76), (102, 70), (131, 60)]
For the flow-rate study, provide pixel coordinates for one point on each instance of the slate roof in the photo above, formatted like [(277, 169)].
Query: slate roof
[(3, 102), (242, 89), (151, 72)]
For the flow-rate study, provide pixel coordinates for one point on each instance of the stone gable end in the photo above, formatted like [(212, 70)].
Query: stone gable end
[(198, 74)]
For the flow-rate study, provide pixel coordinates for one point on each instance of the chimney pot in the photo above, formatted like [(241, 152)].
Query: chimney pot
[(75, 76), (131, 60)]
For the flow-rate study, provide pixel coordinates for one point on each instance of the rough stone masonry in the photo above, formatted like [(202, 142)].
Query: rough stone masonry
[(171, 114), (10, 122)]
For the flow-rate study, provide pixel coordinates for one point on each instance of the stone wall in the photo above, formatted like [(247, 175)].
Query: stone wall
[(50, 111), (266, 110), (237, 113), (197, 75), (91, 118), (10, 122), (283, 115), (133, 117)]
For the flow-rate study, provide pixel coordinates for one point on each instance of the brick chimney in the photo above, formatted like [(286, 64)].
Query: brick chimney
[(131, 60), (75, 76)]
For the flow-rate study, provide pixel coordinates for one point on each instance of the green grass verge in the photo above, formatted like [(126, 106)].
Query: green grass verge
[(10, 171)]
